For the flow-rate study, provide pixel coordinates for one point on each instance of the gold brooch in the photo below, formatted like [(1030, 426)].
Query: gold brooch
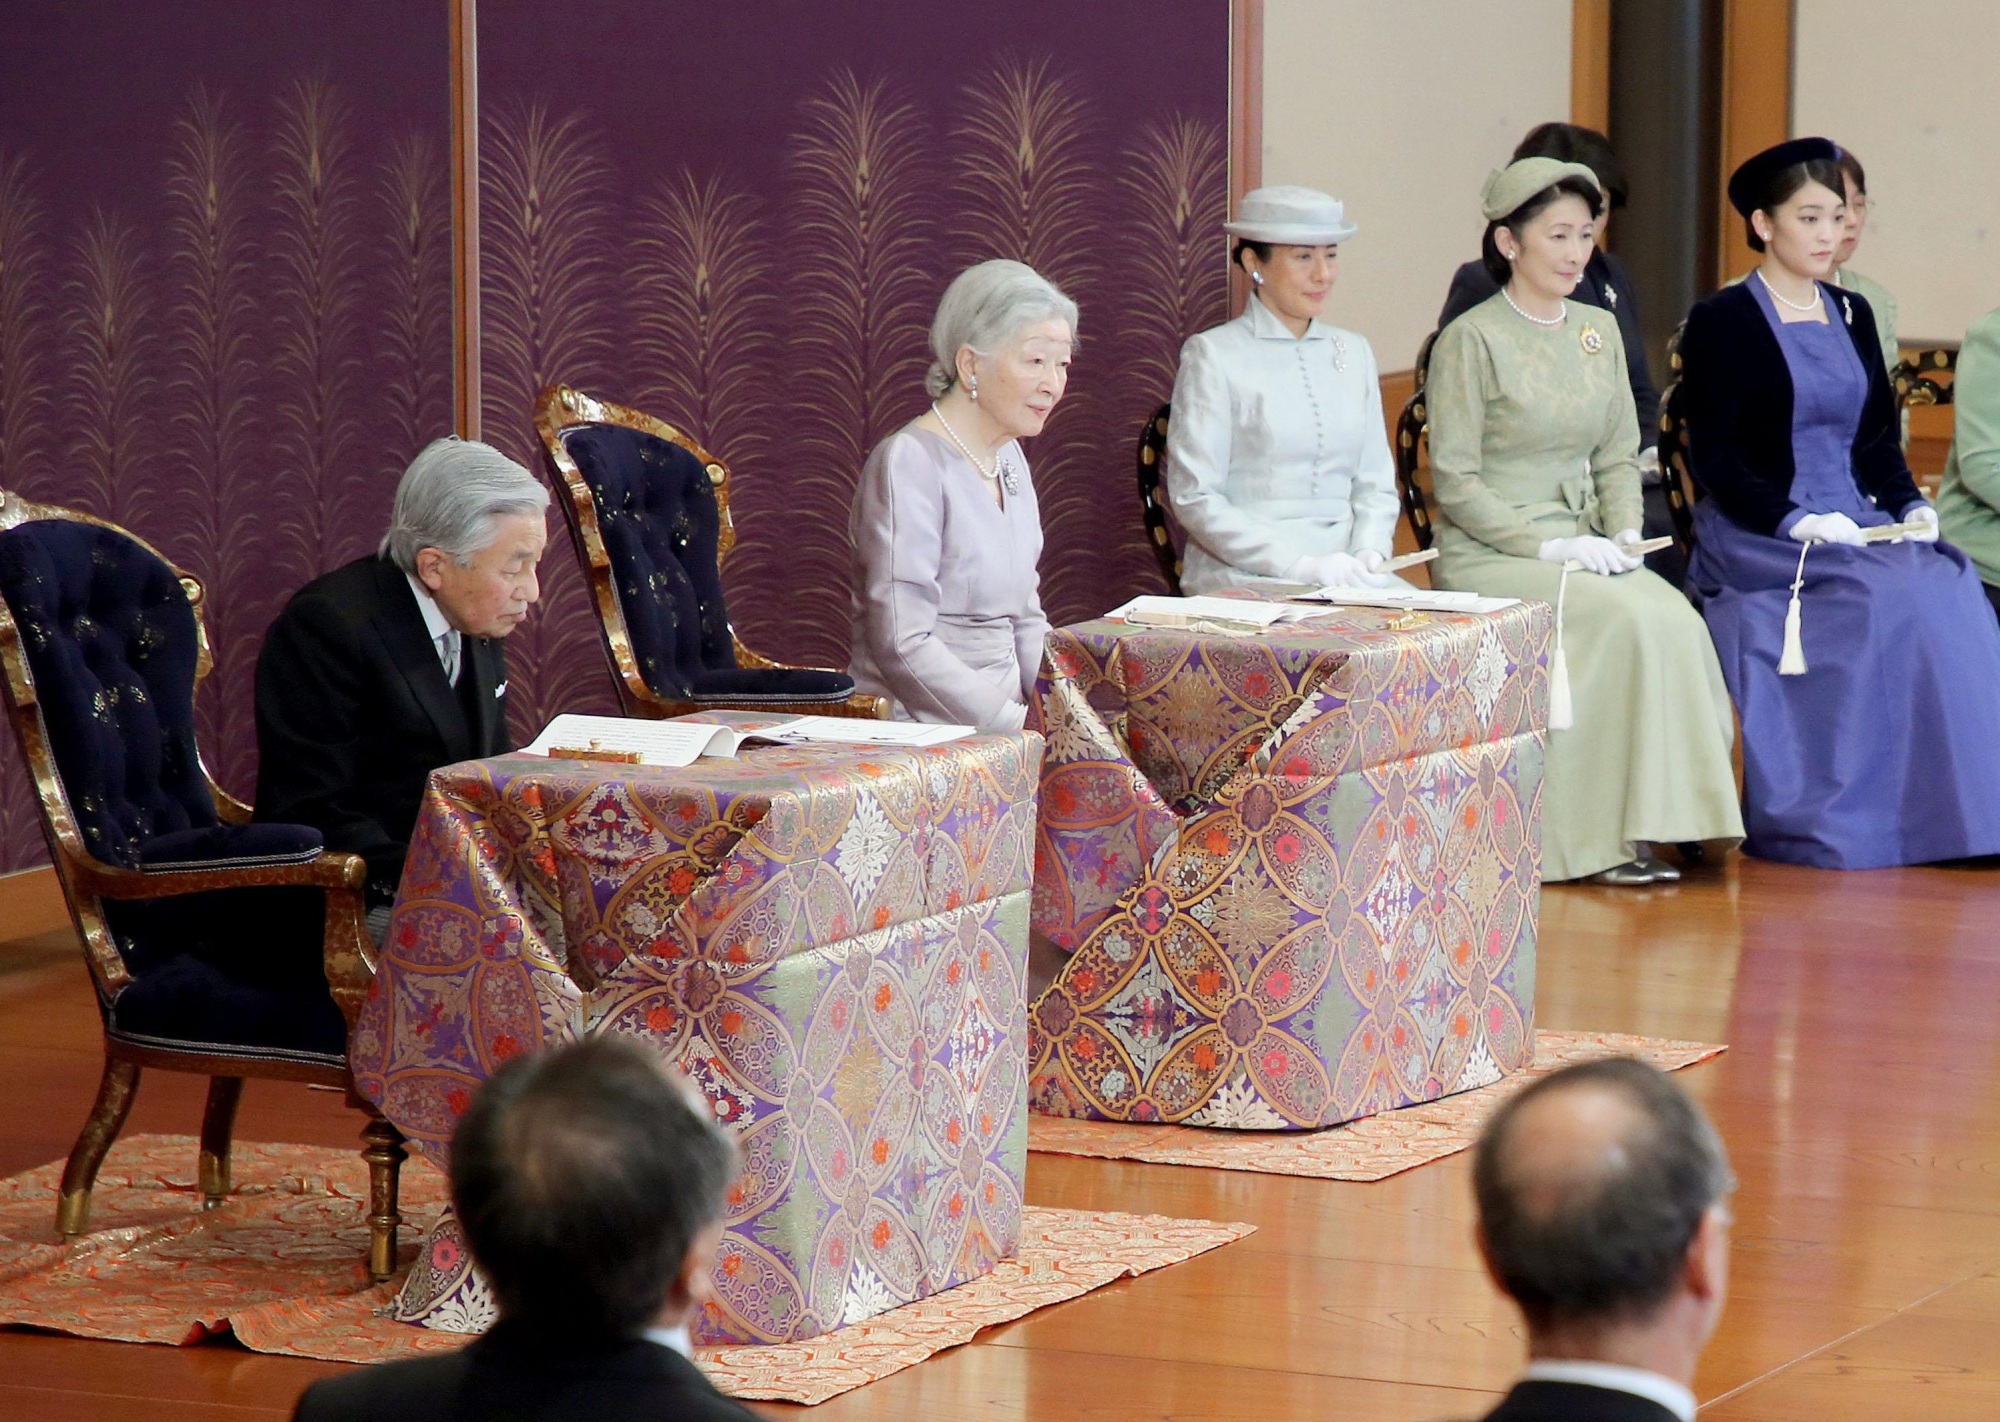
[(1592, 342)]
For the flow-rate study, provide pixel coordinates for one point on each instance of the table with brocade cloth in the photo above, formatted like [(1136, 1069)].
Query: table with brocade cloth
[(1296, 872), (831, 941)]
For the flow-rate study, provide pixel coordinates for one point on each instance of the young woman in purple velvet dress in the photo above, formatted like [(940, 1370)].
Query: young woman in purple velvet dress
[(1884, 748)]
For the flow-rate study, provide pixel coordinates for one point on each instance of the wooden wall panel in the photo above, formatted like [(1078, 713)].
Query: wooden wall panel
[(1756, 106)]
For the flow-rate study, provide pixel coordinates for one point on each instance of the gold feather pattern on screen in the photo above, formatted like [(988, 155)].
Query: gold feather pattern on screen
[(215, 455), (705, 318), (108, 317), (413, 198), (546, 229), (864, 289), (318, 266), (26, 397)]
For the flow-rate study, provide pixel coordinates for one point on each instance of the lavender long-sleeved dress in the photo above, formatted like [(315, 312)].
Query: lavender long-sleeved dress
[(947, 598)]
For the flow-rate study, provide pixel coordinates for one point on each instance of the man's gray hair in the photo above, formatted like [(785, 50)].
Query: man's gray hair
[(452, 494), (1608, 1238), (985, 307)]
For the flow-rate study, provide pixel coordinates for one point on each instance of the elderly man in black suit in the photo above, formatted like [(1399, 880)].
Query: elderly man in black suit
[(1603, 1212), (591, 1187), (381, 671)]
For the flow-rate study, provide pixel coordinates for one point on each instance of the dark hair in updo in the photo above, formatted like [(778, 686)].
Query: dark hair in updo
[(1573, 143), (1851, 167), (1784, 186), (1497, 266), (1243, 244)]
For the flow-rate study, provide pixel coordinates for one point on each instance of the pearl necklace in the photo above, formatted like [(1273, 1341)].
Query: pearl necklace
[(1001, 470), (1555, 320), (1777, 295)]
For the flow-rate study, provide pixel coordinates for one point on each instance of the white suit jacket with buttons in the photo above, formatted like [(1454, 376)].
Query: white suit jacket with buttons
[(1276, 450)]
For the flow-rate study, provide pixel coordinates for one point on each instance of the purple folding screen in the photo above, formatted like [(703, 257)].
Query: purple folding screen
[(225, 294)]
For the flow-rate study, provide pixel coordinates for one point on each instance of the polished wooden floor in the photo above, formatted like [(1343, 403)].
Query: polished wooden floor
[(1860, 1099)]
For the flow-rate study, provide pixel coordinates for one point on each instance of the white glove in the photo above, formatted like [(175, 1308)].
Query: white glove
[(1594, 555), (1925, 515), (1341, 571), (1828, 528), (1376, 578)]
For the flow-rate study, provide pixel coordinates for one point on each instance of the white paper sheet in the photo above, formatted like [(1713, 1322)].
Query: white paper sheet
[(850, 730), (1416, 599), (1152, 611), (655, 742)]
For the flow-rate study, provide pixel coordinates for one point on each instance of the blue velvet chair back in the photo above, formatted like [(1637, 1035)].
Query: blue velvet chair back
[(113, 645), (662, 529)]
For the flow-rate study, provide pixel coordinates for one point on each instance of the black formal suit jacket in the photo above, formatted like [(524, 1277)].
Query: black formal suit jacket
[(510, 1376), (1534, 1401), (1736, 396), (354, 712), (1605, 283)]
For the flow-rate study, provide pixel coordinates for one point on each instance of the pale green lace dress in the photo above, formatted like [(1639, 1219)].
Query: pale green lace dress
[(1532, 437)]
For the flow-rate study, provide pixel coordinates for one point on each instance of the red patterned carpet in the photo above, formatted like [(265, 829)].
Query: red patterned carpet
[(280, 1265), (1373, 1148)]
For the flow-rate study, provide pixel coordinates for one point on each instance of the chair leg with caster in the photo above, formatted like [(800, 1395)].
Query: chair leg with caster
[(218, 1123), (107, 1117)]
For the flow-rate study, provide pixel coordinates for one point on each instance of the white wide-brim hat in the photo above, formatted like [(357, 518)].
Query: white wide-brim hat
[(1300, 217)]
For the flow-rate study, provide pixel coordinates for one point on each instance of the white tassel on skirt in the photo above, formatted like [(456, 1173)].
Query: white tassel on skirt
[(1562, 714), (1792, 662)]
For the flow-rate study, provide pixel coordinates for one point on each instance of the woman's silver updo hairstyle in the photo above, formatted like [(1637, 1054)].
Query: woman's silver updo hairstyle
[(984, 307)]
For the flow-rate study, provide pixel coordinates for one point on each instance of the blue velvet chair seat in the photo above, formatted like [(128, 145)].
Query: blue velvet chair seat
[(186, 1004), (775, 684), (222, 846)]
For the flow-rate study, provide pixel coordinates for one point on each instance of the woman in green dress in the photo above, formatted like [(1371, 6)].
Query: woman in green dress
[(1534, 453)]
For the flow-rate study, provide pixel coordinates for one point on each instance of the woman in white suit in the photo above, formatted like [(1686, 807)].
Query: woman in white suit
[(1278, 463)]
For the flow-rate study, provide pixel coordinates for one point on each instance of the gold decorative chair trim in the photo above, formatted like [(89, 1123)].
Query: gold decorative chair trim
[(87, 882), (562, 408)]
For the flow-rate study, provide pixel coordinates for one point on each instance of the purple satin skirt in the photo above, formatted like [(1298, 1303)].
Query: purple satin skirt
[(1887, 751)]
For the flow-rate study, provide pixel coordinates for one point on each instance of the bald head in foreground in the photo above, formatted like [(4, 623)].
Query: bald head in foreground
[(1603, 1213)]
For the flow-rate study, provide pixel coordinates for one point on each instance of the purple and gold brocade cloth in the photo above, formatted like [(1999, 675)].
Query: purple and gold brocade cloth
[(1297, 873), (831, 941)]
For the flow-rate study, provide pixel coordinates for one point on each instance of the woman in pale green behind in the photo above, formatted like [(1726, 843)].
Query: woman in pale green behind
[(1534, 452), (1968, 501)]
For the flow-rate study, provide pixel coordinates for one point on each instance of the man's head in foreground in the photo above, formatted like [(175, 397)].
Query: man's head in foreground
[(1603, 1212), (590, 1184)]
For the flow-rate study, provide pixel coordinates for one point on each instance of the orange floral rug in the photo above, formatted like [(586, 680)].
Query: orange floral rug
[(1373, 1148), (280, 1266)]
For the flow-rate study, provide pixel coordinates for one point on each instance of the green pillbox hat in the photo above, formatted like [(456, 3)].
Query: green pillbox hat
[(1507, 188)]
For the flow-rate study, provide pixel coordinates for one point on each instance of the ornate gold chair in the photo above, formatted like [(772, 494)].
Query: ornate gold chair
[(1676, 474), (1152, 460), (216, 945), (648, 512), (1412, 430), (1916, 376)]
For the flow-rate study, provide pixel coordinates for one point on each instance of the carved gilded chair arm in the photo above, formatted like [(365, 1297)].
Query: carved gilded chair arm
[(333, 869)]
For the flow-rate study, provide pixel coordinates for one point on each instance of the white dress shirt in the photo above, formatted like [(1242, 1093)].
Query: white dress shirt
[(1276, 450), (1618, 1378), (677, 1339), (444, 636)]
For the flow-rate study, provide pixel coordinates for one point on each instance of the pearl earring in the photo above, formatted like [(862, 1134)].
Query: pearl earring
[(1256, 278), (972, 388)]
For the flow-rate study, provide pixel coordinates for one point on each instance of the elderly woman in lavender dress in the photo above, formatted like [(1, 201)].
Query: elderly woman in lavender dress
[(948, 619), (1884, 747)]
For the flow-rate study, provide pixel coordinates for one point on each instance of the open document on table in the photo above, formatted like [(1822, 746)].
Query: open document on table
[(628, 741)]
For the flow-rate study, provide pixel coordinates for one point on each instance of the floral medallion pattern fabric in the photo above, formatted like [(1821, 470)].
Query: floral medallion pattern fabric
[(830, 941), (1297, 873)]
